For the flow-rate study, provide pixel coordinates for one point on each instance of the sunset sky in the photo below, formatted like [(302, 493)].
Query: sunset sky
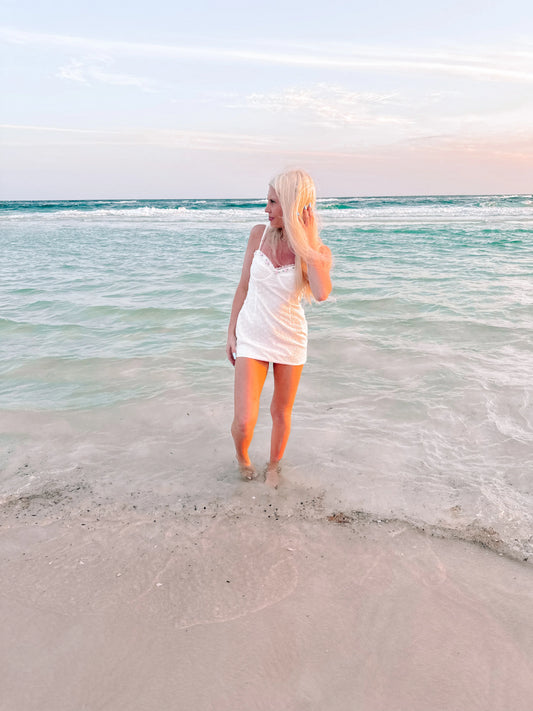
[(210, 99)]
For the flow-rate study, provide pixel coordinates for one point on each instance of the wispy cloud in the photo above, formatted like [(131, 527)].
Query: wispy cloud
[(48, 129), (96, 71), (484, 64), (330, 106), (383, 117), (19, 134), (520, 146)]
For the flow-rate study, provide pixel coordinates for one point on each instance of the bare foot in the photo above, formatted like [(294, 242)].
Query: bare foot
[(247, 471), (272, 474)]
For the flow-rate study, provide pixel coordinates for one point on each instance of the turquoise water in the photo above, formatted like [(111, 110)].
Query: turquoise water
[(416, 400)]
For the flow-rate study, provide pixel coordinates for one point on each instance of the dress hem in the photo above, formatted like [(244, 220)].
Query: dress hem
[(269, 360)]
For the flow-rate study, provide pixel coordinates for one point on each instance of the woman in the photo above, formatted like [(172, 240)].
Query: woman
[(284, 262)]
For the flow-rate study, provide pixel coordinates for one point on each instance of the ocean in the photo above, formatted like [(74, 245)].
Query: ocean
[(415, 404)]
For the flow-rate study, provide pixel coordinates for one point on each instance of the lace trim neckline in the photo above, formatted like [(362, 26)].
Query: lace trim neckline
[(283, 268)]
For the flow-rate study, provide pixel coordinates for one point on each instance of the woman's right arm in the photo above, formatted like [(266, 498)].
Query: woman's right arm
[(242, 290)]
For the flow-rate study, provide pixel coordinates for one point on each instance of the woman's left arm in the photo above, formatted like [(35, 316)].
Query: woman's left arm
[(318, 268), (318, 272)]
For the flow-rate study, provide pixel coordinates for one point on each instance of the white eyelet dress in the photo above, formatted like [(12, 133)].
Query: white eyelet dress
[(271, 325)]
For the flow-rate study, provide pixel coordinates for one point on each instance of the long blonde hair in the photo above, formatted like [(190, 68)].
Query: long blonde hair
[(295, 189)]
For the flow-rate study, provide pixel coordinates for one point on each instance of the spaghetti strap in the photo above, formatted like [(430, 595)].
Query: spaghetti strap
[(263, 237)]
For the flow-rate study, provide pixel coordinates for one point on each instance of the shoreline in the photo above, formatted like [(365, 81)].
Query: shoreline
[(59, 501)]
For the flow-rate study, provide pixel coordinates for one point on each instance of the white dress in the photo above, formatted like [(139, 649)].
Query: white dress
[(271, 325)]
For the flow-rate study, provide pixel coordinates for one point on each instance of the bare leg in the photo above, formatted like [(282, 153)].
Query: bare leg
[(250, 377), (286, 380)]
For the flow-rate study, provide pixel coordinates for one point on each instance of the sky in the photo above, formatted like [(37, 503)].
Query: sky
[(207, 99)]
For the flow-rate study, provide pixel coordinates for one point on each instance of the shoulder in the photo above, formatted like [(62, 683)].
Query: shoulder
[(254, 241), (257, 231), (256, 234)]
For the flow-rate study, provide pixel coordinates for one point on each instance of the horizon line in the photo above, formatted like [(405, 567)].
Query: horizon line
[(322, 197)]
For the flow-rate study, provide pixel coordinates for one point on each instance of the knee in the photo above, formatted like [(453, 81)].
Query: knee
[(242, 427), (280, 415)]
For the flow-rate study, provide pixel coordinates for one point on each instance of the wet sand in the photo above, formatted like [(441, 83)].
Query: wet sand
[(122, 609)]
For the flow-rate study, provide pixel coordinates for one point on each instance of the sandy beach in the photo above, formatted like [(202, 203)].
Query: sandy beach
[(125, 608)]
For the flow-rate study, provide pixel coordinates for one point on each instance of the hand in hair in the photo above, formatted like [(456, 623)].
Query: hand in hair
[(308, 216), (313, 238), (311, 228)]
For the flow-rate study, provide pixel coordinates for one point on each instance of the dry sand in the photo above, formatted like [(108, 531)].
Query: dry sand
[(126, 610)]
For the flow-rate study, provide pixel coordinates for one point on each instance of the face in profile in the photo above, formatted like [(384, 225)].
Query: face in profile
[(273, 209)]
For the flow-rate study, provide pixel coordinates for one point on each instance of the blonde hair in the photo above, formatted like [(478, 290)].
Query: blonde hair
[(295, 190)]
